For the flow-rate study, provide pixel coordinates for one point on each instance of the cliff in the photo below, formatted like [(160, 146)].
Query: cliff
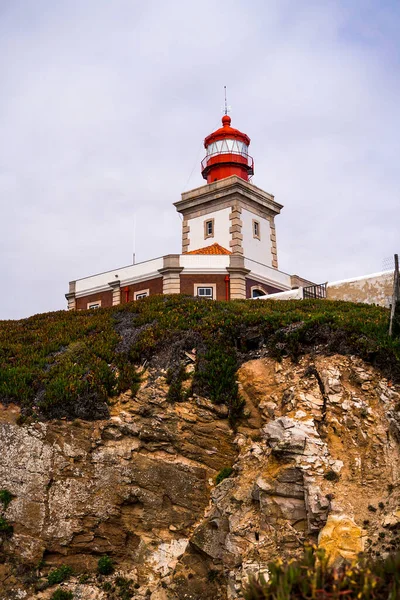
[(214, 460)]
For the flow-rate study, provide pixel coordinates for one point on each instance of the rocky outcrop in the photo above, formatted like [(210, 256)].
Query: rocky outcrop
[(316, 457)]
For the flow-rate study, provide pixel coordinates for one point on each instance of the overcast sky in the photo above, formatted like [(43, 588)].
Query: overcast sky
[(104, 106)]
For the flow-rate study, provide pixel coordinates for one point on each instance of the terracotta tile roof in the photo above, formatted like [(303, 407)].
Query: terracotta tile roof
[(213, 249)]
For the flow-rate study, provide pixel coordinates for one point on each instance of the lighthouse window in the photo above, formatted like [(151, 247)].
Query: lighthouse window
[(256, 229), (208, 228), (227, 146)]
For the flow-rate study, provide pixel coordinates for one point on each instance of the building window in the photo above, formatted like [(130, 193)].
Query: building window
[(256, 229), (208, 228), (205, 290), (257, 292), (141, 294), (92, 305)]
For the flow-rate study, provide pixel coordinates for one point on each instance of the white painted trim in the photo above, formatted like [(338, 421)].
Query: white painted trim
[(258, 235), (296, 294), (256, 287), (94, 304), (139, 292), (205, 285), (124, 283)]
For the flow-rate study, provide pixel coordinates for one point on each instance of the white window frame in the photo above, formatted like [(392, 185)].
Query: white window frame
[(256, 226), (205, 285), (258, 288), (94, 304), (206, 223), (141, 294)]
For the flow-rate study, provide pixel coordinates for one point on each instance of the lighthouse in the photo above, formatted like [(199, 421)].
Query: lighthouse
[(229, 246)]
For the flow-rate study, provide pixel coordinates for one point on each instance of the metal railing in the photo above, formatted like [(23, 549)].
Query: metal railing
[(228, 157), (315, 291)]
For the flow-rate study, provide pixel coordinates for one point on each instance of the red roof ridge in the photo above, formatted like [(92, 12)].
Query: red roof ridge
[(213, 249)]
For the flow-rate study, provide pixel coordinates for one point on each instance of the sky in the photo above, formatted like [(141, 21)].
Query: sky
[(104, 107)]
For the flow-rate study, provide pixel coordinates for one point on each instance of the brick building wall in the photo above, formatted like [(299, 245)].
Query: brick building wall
[(104, 297), (188, 282), (154, 286)]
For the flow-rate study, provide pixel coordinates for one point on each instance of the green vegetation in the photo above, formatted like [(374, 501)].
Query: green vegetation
[(105, 565), (68, 364), (312, 577), (5, 498), (223, 474), (175, 378), (125, 588), (59, 575), (62, 595), (5, 526)]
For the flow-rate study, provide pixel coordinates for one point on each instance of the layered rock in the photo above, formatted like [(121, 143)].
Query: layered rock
[(315, 456)]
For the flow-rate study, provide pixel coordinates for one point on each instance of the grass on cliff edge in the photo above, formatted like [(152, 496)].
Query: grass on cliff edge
[(69, 363), (312, 577)]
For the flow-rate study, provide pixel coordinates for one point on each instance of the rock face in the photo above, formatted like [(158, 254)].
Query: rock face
[(316, 455)]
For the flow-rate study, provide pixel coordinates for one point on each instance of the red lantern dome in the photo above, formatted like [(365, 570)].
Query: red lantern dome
[(227, 154)]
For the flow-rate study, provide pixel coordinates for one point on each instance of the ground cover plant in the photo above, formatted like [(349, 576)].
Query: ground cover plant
[(62, 595), (105, 565), (59, 575), (312, 577), (68, 364)]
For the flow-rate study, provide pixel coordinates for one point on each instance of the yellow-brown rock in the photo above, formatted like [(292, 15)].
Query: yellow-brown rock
[(342, 539)]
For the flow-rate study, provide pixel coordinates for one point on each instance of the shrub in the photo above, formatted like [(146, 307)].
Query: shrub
[(223, 474), (59, 575), (312, 577), (5, 498), (62, 595), (215, 377), (105, 565), (5, 526), (125, 591), (331, 475)]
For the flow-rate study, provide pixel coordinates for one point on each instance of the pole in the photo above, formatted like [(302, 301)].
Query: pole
[(396, 293), (134, 240)]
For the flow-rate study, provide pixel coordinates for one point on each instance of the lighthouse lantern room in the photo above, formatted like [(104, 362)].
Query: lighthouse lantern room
[(227, 154)]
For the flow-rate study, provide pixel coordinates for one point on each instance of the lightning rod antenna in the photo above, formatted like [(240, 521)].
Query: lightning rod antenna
[(226, 104)]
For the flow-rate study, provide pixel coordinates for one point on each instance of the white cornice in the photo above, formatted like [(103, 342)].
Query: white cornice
[(225, 189)]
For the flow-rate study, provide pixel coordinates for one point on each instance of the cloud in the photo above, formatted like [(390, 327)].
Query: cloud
[(104, 108)]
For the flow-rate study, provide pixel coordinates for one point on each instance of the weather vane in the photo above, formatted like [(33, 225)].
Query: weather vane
[(226, 108)]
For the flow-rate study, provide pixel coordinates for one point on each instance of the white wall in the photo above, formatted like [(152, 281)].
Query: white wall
[(221, 230), (296, 294), (126, 275), (267, 274), (204, 263), (376, 288), (254, 249)]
